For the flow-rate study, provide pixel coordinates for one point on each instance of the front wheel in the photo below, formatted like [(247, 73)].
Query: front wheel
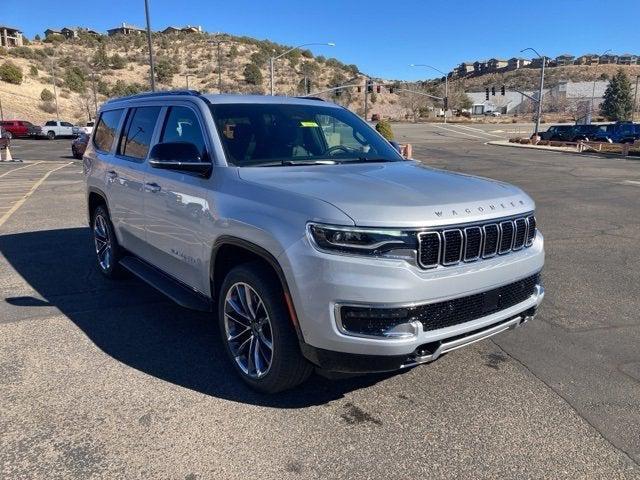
[(257, 332), (51, 135)]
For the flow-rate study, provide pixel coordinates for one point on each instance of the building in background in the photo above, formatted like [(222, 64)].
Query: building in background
[(10, 37), (125, 29)]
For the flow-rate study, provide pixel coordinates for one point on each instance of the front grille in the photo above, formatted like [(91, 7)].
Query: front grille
[(464, 309), (374, 321), (450, 246)]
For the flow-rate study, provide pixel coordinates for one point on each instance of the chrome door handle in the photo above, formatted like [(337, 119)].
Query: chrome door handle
[(152, 187), (111, 174)]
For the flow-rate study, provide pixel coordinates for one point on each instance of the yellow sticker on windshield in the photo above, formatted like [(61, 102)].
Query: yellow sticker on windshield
[(309, 124)]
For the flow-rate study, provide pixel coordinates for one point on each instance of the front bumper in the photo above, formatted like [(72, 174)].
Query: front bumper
[(321, 282)]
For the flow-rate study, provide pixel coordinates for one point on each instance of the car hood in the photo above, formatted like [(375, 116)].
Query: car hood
[(397, 194)]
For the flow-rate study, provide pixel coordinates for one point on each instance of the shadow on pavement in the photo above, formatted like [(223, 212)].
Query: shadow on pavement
[(138, 326)]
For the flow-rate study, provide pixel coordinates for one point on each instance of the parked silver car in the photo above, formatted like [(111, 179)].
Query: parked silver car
[(313, 240)]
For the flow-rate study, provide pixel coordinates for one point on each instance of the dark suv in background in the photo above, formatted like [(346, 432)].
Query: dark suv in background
[(558, 133), (619, 132)]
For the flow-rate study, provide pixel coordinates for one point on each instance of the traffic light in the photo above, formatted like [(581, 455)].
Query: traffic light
[(378, 88), (502, 90), (446, 103), (359, 89), (486, 91), (369, 86), (493, 91), (390, 89)]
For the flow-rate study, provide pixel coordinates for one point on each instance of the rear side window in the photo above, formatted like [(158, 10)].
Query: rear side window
[(50, 123), (182, 125), (106, 130), (137, 133)]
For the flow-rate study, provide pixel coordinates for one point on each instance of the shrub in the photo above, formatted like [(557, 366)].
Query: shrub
[(118, 62), (55, 38), (11, 73), (23, 52), (233, 52), (165, 70), (33, 71), (48, 107), (252, 74), (74, 79), (46, 95), (384, 128), (121, 89), (259, 58)]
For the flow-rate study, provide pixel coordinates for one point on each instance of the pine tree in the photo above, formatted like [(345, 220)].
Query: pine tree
[(618, 100)]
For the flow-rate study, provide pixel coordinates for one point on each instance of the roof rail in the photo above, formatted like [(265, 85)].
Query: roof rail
[(165, 93), (311, 98)]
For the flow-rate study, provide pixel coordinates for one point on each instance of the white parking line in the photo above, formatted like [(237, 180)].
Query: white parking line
[(19, 168), (457, 131), (478, 130), (631, 182), (24, 198)]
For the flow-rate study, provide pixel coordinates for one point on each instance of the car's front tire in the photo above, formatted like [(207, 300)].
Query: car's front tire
[(108, 252), (257, 332), (51, 135)]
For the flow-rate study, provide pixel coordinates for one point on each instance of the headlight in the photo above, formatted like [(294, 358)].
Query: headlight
[(363, 241)]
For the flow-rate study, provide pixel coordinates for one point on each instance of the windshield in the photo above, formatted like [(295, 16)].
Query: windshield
[(293, 134)]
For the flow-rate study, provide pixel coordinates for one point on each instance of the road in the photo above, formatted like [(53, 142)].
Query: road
[(104, 379)]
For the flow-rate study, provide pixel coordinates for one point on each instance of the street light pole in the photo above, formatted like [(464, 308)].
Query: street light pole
[(593, 92), (55, 90), (446, 85), (151, 63), (219, 59), (539, 114), (273, 59), (635, 99), (187, 77), (95, 95)]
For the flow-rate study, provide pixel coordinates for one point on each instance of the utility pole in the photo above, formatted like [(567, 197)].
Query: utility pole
[(635, 99), (543, 59), (55, 91), (446, 86), (593, 91), (1, 112), (151, 63), (366, 96), (219, 69), (95, 95)]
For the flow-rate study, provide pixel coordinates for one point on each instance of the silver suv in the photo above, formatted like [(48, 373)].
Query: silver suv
[(314, 241)]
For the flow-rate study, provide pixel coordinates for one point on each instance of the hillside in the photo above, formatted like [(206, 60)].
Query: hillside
[(120, 65), (529, 78)]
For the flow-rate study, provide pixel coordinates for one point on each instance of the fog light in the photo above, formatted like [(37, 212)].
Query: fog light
[(377, 322)]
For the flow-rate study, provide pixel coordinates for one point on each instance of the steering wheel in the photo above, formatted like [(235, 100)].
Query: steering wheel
[(337, 148)]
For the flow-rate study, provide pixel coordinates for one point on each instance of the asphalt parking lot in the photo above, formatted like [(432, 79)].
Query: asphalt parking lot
[(104, 379)]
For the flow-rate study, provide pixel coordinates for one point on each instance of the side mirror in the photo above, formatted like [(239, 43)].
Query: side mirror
[(181, 156), (396, 145)]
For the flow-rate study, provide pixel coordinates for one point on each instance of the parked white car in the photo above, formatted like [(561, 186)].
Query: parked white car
[(88, 129), (55, 128)]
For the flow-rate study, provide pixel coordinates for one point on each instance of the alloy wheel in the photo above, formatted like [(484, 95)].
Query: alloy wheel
[(102, 239), (248, 330)]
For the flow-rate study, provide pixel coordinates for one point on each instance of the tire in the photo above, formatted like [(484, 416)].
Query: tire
[(75, 154), (51, 135), (108, 252), (246, 330), (9, 135)]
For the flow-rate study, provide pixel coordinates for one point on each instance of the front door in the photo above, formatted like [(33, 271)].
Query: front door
[(177, 212), (126, 176)]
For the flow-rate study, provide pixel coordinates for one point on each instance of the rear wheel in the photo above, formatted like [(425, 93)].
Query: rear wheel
[(9, 135), (108, 252), (257, 332)]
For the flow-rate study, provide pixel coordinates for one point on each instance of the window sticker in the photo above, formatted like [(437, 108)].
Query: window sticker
[(309, 123)]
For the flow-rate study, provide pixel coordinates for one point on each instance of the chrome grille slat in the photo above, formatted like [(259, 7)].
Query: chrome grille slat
[(470, 243)]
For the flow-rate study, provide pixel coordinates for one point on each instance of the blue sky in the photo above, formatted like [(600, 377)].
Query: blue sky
[(382, 37)]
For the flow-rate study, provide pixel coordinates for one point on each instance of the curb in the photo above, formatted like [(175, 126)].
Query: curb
[(504, 143)]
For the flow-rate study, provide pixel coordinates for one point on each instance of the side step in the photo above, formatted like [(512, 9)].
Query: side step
[(173, 289)]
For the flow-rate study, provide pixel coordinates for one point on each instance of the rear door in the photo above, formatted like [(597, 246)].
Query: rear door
[(177, 211)]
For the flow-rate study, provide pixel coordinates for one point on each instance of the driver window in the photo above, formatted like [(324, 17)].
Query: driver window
[(182, 125)]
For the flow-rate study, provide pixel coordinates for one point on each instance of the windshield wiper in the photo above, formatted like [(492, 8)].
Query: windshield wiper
[(365, 160), (308, 162)]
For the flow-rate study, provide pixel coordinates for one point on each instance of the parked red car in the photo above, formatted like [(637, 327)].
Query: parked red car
[(20, 128), (4, 138)]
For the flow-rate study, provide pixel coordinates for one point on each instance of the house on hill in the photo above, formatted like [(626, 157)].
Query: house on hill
[(564, 60), (496, 64), (464, 69), (125, 29), (516, 63), (187, 29), (10, 37), (588, 59), (628, 59), (609, 59)]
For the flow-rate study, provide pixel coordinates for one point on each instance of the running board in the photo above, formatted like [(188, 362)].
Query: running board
[(182, 295)]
